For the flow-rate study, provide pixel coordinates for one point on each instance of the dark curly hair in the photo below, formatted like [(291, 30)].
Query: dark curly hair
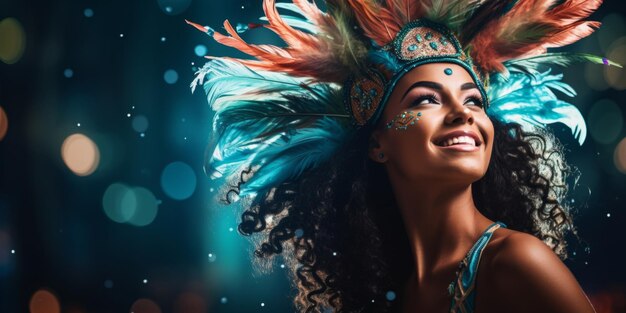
[(341, 235)]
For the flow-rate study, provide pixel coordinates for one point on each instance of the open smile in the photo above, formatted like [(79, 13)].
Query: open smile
[(465, 147)]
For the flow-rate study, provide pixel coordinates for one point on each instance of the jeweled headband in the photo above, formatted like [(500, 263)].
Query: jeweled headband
[(419, 42)]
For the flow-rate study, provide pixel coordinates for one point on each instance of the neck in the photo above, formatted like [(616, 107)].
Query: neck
[(442, 224)]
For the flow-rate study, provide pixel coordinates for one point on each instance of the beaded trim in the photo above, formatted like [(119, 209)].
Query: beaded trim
[(419, 42)]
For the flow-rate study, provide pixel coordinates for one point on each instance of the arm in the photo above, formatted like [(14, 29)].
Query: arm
[(527, 276)]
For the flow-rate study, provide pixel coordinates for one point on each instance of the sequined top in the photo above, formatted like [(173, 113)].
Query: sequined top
[(463, 288)]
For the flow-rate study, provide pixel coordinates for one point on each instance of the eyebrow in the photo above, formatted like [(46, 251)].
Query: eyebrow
[(436, 86)]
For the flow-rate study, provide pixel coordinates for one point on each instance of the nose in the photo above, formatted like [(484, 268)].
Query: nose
[(459, 113)]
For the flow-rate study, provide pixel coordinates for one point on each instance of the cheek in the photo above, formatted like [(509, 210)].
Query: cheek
[(403, 121), (407, 140)]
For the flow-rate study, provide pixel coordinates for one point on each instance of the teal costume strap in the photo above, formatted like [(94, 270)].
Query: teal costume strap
[(463, 288)]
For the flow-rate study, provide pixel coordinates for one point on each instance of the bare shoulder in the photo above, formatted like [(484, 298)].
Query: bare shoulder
[(522, 274)]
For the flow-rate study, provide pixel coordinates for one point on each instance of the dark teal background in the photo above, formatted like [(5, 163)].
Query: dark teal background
[(54, 219)]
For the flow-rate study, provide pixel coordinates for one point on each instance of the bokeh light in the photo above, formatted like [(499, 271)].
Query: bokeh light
[(88, 12), (173, 7), (146, 207), (4, 123), (594, 76), (605, 121), (80, 154), (134, 205), (613, 26), (145, 306), (12, 40), (170, 76), (119, 202), (200, 50), (615, 76), (140, 123), (189, 302), (619, 156), (178, 180), (68, 73), (44, 301)]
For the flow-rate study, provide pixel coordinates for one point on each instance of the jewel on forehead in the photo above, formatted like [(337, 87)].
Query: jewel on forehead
[(448, 71)]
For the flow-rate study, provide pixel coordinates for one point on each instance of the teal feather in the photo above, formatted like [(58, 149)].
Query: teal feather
[(384, 58), (526, 97), (556, 58), (289, 156), (260, 113)]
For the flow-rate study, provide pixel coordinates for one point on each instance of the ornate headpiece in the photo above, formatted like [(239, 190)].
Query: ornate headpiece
[(291, 107), (419, 42)]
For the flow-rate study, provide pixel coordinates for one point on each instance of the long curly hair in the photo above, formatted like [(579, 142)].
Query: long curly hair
[(341, 236)]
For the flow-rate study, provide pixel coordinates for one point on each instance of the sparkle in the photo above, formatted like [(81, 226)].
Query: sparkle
[(68, 73), (142, 135), (334, 253), (12, 251), (212, 257), (163, 39), (242, 7), (223, 300), (372, 300), (230, 229), (127, 114), (211, 189), (145, 281), (108, 284), (262, 303), (121, 35), (185, 138), (608, 214), (282, 266), (78, 124)]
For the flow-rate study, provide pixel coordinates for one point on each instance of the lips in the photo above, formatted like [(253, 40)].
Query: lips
[(441, 140)]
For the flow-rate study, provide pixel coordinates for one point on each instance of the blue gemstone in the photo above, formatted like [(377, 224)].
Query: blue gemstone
[(418, 37), (412, 47), (448, 71), (373, 92), (429, 36), (419, 113), (433, 45)]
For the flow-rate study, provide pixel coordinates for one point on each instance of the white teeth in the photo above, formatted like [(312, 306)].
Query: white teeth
[(460, 139)]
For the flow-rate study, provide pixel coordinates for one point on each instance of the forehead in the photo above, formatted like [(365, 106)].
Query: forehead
[(449, 75)]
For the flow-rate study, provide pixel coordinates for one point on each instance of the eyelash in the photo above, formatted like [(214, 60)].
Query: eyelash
[(433, 97)]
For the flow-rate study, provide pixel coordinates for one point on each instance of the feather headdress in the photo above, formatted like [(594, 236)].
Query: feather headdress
[(289, 109)]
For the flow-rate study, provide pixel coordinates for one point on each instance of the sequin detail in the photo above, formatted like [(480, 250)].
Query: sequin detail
[(403, 120)]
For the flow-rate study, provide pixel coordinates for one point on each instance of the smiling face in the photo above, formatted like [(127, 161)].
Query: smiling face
[(429, 103)]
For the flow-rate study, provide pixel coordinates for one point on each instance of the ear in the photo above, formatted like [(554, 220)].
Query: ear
[(375, 149)]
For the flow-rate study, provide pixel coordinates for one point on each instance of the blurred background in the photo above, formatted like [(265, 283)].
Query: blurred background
[(104, 205)]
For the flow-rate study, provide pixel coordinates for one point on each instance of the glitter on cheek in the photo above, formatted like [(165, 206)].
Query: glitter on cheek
[(404, 120)]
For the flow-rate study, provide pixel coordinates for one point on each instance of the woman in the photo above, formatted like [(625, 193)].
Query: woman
[(393, 153)]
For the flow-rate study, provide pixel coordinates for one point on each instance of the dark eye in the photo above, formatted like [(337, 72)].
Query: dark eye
[(424, 100), (475, 100)]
